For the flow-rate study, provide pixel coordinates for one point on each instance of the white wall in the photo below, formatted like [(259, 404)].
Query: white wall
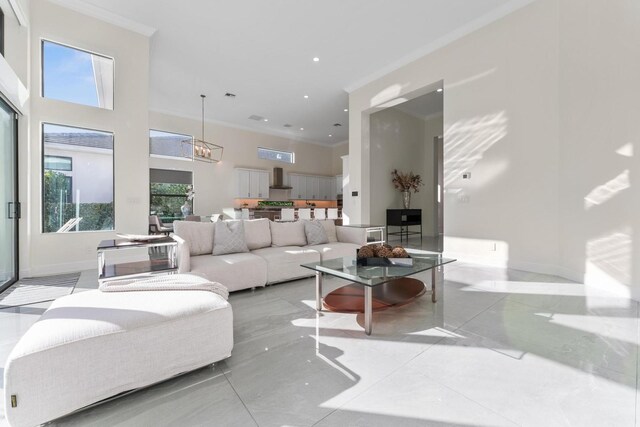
[(600, 152), (500, 123), (337, 151), (214, 183), (432, 129), (397, 142), (90, 168), (542, 107), (47, 253)]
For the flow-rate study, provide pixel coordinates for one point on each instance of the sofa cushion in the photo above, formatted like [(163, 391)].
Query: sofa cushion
[(335, 250), (283, 263), (330, 227), (198, 235), (235, 271), (315, 232), (229, 238), (288, 234), (257, 233), (92, 345)]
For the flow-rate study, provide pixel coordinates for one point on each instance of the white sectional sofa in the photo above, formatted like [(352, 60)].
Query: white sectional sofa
[(271, 259), (92, 345)]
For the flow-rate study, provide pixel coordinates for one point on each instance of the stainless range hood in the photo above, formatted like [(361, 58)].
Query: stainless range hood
[(278, 180)]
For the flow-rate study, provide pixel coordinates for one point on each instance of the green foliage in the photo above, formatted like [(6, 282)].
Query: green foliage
[(54, 183), (95, 216), (166, 200)]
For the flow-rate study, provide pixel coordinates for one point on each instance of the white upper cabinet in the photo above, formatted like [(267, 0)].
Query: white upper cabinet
[(338, 184), (251, 184), (312, 187), (298, 185)]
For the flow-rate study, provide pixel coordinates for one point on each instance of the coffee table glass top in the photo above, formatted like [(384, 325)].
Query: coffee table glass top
[(347, 268)]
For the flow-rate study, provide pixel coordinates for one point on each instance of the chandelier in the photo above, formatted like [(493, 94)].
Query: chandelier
[(201, 150)]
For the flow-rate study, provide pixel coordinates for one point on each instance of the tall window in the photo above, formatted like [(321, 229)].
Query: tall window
[(77, 177), (168, 190), (167, 144), (279, 156), (77, 76)]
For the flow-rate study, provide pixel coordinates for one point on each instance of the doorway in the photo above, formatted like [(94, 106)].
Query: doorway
[(8, 196)]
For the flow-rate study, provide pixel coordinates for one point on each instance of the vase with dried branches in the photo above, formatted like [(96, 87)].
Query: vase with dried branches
[(406, 183)]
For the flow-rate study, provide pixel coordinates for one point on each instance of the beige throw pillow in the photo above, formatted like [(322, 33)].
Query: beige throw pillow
[(229, 238), (315, 232), (257, 233), (288, 234), (330, 227)]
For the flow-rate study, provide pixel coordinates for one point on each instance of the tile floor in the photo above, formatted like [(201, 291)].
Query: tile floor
[(501, 347)]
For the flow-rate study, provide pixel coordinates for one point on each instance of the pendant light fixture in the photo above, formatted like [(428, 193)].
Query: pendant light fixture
[(201, 150)]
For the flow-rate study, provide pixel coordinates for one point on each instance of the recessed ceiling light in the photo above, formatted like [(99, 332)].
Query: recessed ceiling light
[(346, 109), (266, 120), (306, 97), (301, 128), (439, 90), (316, 59), (330, 136)]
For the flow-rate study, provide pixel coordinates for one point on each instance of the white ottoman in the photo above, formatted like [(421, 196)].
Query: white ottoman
[(93, 345)]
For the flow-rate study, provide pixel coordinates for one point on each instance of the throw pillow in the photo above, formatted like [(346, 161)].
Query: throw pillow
[(229, 238), (257, 233), (198, 235), (316, 234), (330, 227), (288, 234)]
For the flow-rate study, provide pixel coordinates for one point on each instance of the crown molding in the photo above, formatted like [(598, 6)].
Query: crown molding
[(19, 13), (106, 16), (443, 41)]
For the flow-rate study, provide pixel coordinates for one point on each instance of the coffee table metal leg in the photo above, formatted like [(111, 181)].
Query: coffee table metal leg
[(318, 291), (433, 284), (368, 310)]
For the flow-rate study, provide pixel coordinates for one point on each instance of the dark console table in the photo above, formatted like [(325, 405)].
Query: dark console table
[(404, 218)]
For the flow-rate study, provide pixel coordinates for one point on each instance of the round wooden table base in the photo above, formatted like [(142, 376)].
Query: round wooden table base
[(350, 298)]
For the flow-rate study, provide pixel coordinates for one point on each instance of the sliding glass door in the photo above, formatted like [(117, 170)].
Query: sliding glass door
[(9, 207)]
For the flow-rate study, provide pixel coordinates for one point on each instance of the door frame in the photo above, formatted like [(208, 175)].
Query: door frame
[(18, 208)]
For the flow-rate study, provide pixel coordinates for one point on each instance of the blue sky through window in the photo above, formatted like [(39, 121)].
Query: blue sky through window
[(68, 75)]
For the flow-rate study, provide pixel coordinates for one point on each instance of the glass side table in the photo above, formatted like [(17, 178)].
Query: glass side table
[(127, 270)]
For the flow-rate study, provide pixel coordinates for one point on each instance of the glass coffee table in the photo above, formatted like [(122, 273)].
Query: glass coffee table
[(375, 287)]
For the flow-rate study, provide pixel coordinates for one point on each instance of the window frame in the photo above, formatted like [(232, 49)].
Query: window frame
[(42, 170), (292, 153), (2, 34), (113, 83), (161, 156), (59, 157)]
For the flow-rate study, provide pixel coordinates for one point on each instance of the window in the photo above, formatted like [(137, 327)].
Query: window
[(167, 144), (77, 179), (168, 191), (279, 156), (76, 76), (58, 163)]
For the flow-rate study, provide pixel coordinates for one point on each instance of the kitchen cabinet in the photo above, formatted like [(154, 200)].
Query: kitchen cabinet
[(338, 184), (252, 184), (298, 185), (312, 187)]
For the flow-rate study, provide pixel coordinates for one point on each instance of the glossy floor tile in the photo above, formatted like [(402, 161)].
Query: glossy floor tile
[(500, 347)]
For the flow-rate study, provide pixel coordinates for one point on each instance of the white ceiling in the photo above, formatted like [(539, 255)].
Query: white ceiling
[(262, 51)]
